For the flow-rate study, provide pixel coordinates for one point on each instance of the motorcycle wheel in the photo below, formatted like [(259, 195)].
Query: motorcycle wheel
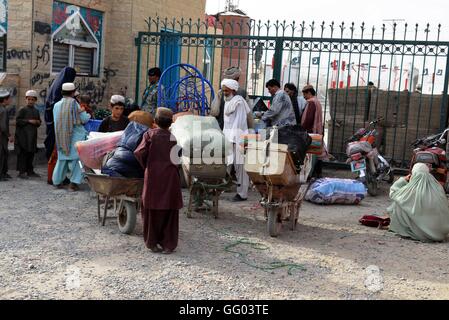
[(391, 177), (372, 185)]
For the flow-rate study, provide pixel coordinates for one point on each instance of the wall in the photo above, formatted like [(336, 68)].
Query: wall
[(29, 44)]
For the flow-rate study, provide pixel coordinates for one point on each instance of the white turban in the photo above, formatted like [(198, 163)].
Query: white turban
[(231, 84), (233, 73)]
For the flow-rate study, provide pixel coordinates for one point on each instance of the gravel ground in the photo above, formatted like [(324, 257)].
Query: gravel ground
[(52, 248)]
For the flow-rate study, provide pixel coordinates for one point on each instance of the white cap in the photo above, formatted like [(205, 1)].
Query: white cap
[(4, 93), (68, 87), (118, 99), (31, 93)]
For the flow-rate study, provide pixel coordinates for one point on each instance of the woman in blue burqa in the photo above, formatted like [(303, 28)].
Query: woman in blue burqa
[(55, 95)]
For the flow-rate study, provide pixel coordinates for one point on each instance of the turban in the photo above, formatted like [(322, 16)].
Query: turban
[(232, 73), (231, 84)]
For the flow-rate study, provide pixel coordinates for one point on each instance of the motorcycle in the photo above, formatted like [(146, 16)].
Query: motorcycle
[(366, 160), (433, 151)]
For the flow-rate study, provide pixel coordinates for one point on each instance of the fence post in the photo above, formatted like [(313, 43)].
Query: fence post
[(277, 72), (138, 71), (444, 103)]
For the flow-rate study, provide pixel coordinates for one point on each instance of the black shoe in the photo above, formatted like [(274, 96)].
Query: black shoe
[(34, 175), (238, 198), (23, 176)]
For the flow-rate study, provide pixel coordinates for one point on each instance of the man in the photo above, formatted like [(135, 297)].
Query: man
[(69, 119), (218, 105), (162, 196), (27, 122), (298, 101), (117, 121), (235, 125), (312, 122), (281, 112), (5, 136), (150, 96)]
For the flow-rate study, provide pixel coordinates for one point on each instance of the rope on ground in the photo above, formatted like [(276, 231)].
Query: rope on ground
[(261, 247)]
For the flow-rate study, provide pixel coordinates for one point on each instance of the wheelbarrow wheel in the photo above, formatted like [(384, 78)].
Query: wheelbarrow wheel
[(127, 218), (274, 225)]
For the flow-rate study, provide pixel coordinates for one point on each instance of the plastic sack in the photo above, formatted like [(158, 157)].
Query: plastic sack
[(336, 191), (199, 136), (92, 151), (123, 163)]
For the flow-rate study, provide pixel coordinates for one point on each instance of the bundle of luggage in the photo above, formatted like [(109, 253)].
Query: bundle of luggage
[(113, 153), (201, 137), (297, 139), (336, 191)]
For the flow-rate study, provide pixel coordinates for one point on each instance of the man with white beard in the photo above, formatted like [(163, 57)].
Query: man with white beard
[(235, 125)]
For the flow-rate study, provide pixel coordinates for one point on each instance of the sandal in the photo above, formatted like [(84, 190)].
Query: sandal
[(156, 249)]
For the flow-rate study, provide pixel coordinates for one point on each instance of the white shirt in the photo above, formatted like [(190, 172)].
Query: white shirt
[(236, 119)]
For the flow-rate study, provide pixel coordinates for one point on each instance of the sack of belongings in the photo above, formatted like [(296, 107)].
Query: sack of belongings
[(201, 137), (296, 138), (123, 163), (336, 191), (92, 151)]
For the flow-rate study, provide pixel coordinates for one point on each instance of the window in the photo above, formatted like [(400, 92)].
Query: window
[(75, 45)]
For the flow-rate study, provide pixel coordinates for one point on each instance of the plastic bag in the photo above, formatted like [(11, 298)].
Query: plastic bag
[(201, 137), (92, 151), (336, 191)]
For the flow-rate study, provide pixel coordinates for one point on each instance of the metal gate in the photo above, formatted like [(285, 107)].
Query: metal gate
[(398, 73)]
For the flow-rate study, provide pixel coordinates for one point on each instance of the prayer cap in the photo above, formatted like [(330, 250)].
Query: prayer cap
[(68, 87), (118, 99), (4, 93), (232, 73), (231, 84), (31, 93)]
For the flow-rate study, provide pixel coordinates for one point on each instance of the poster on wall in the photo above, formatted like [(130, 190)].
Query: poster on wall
[(3, 17), (62, 11)]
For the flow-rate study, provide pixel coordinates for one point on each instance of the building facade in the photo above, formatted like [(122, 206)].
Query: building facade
[(96, 37)]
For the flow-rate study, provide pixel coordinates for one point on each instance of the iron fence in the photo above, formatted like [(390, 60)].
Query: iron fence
[(398, 73)]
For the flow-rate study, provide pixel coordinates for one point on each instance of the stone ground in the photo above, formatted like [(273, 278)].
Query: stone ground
[(51, 247)]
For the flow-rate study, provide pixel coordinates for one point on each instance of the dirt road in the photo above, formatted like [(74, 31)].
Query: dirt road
[(51, 247)]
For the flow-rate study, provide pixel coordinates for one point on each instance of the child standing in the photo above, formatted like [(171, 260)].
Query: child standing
[(5, 137), (162, 197), (115, 122), (27, 122)]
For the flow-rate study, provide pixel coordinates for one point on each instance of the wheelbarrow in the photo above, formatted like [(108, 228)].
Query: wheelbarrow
[(126, 194)]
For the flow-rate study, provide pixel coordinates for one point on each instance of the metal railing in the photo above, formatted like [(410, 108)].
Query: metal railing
[(398, 72)]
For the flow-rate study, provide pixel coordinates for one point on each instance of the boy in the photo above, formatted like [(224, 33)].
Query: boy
[(115, 122), (27, 122), (5, 137), (162, 196)]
